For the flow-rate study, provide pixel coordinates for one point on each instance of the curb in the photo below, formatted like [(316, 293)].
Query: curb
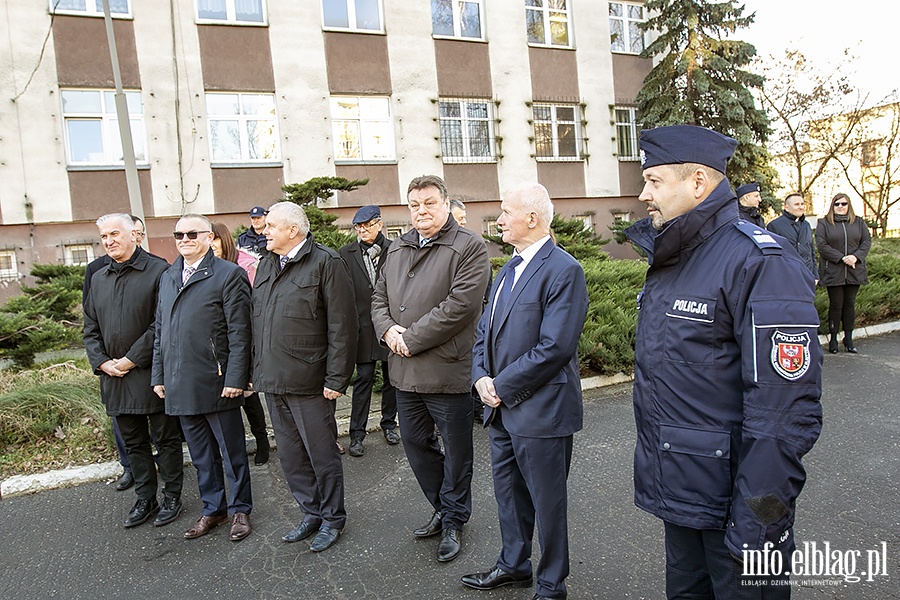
[(20, 485)]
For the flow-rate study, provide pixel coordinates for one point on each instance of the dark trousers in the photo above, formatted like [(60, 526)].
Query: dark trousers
[(255, 416), (699, 565), (210, 438), (362, 400), (137, 436), (445, 477), (842, 309), (120, 446), (530, 481), (305, 431)]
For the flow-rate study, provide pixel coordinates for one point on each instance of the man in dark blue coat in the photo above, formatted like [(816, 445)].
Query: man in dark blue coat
[(525, 370), (727, 374), (793, 227), (201, 366), (119, 313)]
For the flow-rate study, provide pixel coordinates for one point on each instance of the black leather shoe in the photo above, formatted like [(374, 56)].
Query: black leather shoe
[(851, 348), (391, 437), (433, 527), (300, 532), (125, 481), (494, 579), (450, 545), (356, 447), (262, 450), (325, 539), (142, 510), (171, 508)]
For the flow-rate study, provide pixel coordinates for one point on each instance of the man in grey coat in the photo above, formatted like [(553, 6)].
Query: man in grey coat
[(119, 313), (201, 366), (425, 307), (304, 345)]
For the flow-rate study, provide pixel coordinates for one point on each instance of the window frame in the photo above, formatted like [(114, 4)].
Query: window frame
[(351, 18), (70, 249), (361, 129), (231, 15), (243, 136), (109, 129), (464, 120), (457, 22), (92, 8), (12, 273), (554, 128), (626, 20), (634, 131), (545, 10)]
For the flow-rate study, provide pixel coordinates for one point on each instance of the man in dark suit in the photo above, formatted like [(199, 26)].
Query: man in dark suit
[(525, 369), (364, 258), (304, 343), (201, 367)]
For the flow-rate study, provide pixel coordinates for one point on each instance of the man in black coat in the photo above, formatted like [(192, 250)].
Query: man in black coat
[(201, 366), (793, 227), (748, 203), (119, 314), (126, 480), (364, 258), (304, 344)]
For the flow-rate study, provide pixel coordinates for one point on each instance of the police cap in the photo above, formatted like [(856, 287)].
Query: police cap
[(747, 188), (678, 144)]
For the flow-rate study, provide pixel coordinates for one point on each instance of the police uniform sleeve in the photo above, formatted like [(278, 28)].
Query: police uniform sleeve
[(775, 324)]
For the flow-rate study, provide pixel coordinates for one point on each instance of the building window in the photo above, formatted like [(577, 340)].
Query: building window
[(557, 132), (627, 132), (242, 128), (467, 130), (869, 154), (9, 268), (355, 15), (490, 227), (119, 8), (547, 22), (622, 216), (92, 127), (362, 128), (79, 254), (392, 232), (624, 27), (231, 11), (587, 219), (457, 18)]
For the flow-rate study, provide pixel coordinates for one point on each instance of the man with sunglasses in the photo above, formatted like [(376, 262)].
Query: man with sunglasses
[(201, 366), (364, 259)]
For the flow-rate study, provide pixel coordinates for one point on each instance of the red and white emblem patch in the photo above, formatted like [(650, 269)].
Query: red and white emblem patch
[(790, 354)]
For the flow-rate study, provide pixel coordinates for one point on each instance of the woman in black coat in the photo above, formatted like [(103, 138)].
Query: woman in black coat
[(843, 241)]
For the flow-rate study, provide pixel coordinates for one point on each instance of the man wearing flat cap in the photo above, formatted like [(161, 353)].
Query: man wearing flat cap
[(253, 239), (727, 374), (748, 203), (364, 259)]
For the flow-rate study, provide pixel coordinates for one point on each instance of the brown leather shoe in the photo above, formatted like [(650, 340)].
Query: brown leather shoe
[(240, 526), (203, 525)]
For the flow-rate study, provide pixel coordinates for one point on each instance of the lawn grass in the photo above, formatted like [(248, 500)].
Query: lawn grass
[(51, 417)]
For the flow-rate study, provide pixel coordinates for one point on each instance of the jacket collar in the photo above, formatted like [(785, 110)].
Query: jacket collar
[(445, 237), (138, 262), (684, 233), (792, 218)]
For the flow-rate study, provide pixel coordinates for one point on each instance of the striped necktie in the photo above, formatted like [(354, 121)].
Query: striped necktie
[(186, 274)]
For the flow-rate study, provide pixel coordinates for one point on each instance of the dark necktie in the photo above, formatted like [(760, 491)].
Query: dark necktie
[(506, 287), (282, 261)]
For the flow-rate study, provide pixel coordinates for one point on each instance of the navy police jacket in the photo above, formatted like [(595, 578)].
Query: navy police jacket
[(727, 375)]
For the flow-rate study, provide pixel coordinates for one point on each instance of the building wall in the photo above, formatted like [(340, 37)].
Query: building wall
[(174, 61)]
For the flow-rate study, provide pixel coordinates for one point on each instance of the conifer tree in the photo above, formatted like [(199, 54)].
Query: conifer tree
[(701, 80), (321, 223)]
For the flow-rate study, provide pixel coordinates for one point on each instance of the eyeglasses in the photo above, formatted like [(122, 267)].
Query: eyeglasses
[(191, 235), (841, 203), (368, 225)]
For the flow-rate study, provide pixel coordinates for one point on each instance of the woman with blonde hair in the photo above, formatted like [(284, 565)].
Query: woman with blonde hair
[(224, 248), (843, 241)]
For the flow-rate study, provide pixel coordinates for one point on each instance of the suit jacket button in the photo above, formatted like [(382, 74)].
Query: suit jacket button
[(410, 274), (666, 446), (402, 308)]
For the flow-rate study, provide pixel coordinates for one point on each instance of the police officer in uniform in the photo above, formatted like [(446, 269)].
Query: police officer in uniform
[(727, 374), (748, 203)]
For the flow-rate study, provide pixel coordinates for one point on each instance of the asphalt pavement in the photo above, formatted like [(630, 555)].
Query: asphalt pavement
[(69, 543)]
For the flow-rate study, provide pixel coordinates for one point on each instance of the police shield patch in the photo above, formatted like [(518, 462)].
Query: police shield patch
[(790, 354)]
